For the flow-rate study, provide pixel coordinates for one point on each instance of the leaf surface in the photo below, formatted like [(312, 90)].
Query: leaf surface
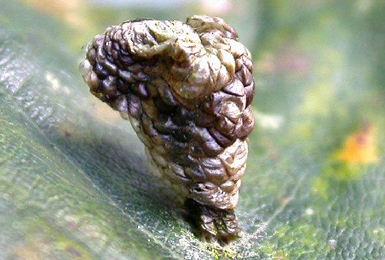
[(74, 181)]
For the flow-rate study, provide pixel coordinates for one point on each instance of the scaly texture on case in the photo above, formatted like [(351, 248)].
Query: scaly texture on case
[(187, 89)]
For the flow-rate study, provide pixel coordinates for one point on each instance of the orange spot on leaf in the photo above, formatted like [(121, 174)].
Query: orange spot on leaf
[(360, 147)]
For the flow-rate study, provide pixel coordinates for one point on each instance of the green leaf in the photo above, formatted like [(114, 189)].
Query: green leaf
[(74, 182)]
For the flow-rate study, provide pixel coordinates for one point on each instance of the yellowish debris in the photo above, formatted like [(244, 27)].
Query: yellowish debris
[(360, 147)]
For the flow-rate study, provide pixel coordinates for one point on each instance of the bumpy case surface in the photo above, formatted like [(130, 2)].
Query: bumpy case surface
[(187, 90)]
